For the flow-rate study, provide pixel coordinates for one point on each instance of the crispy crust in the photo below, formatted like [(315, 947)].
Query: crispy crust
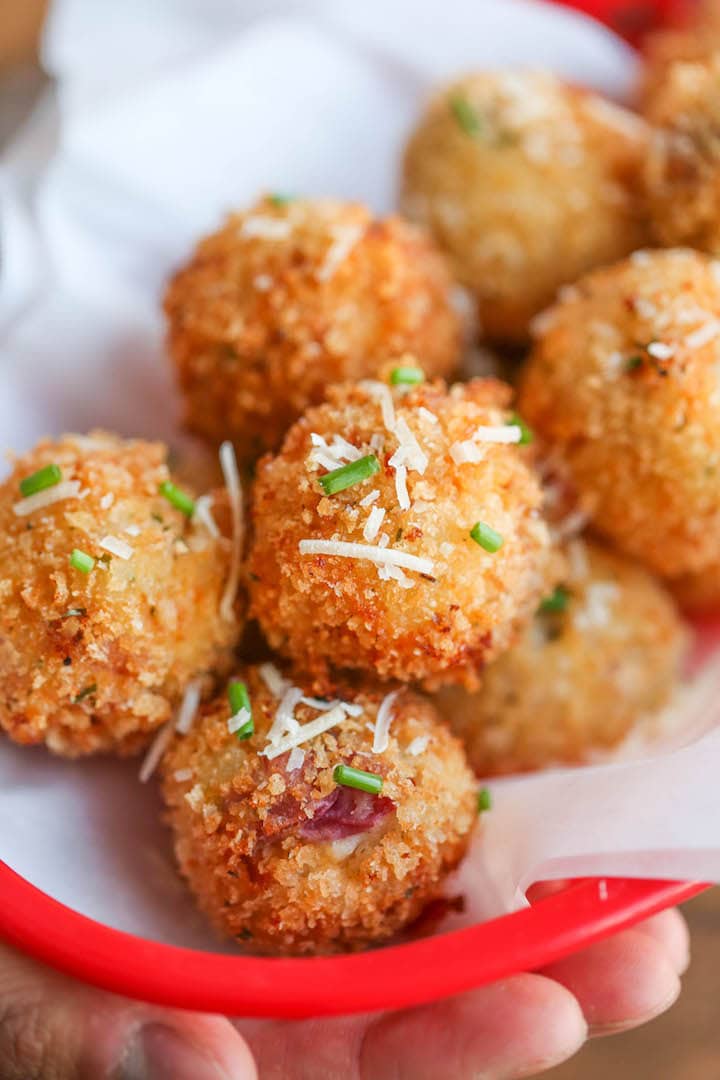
[(146, 625), (260, 325), (325, 611), (640, 432), (543, 192), (237, 818), (579, 680)]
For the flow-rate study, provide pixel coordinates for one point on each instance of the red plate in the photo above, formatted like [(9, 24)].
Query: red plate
[(391, 978)]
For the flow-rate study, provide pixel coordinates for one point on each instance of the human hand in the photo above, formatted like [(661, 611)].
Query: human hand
[(52, 1028)]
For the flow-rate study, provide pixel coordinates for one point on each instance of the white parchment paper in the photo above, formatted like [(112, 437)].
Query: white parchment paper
[(167, 114)]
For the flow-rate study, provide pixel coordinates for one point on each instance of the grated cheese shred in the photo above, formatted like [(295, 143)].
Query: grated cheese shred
[(231, 474), (376, 554), (66, 489), (381, 734)]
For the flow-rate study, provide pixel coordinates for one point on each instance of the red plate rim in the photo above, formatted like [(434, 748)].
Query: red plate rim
[(395, 977)]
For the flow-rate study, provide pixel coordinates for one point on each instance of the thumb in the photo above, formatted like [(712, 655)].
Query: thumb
[(52, 1028)]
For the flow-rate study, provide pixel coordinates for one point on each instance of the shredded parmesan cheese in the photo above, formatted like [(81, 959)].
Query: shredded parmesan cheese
[(116, 546), (203, 515), (427, 415), (382, 394), (132, 530), (182, 774), (703, 335), (188, 707), (316, 727), (466, 453), (419, 745), (107, 501), (296, 759), (66, 489), (156, 751), (500, 433), (274, 681), (400, 489), (236, 722), (379, 555), (285, 721), (229, 466), (345, 237), (369, 499), (373, 523), (409, 452), (268, 228), (382, 723)]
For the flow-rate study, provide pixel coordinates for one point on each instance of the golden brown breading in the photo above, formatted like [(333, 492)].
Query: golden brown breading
[(623, 383), (285, 300), (438, 622), (682, 170), (526, 183), (581, 678), (95, 662), (288, 861)]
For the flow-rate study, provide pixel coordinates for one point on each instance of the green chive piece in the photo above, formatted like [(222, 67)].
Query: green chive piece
[(240, 699), (357, 778), (348, 475), (40, 480), (556, 602), (633, 363), (486, 537), (177, 498), (407, 376), (80, 560), (74, 613), (484, 800), (526, 433), (465, 115), (92, 689), (278, 198)]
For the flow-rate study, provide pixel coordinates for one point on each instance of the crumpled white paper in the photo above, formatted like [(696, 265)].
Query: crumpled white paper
[(168, 114)]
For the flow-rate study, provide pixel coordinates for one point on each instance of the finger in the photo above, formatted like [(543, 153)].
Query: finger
[(619, 983), (670, 931), (506, 1031), (53, 1026)]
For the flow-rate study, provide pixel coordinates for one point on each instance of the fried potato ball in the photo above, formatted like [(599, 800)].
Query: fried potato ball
[(526, 183), (293, 296), (682, 168), (602, 655), (285, 859), (110, 596), (623, 382), (424, 569)]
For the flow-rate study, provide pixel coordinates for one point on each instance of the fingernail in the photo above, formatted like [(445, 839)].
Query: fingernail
[(163, 1054)]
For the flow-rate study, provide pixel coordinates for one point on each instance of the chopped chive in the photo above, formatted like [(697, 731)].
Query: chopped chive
[(92, 689), (407, 376), (357, 778), (240, 699), (633, 362), (465, 115), (238, 696), (74, 613), (177, 498), (484, 800), (486, 537), (278, 198), (40, 480), (556, 602), (526, 433), (80, 560), (348, 475)]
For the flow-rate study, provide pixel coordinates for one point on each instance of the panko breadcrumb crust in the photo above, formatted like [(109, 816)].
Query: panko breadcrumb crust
[(526, 183), (581, 678), (695, 38), (623, 384), (291, 297), (325, 611), (682, 170), (237, 817), (96, 662)]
